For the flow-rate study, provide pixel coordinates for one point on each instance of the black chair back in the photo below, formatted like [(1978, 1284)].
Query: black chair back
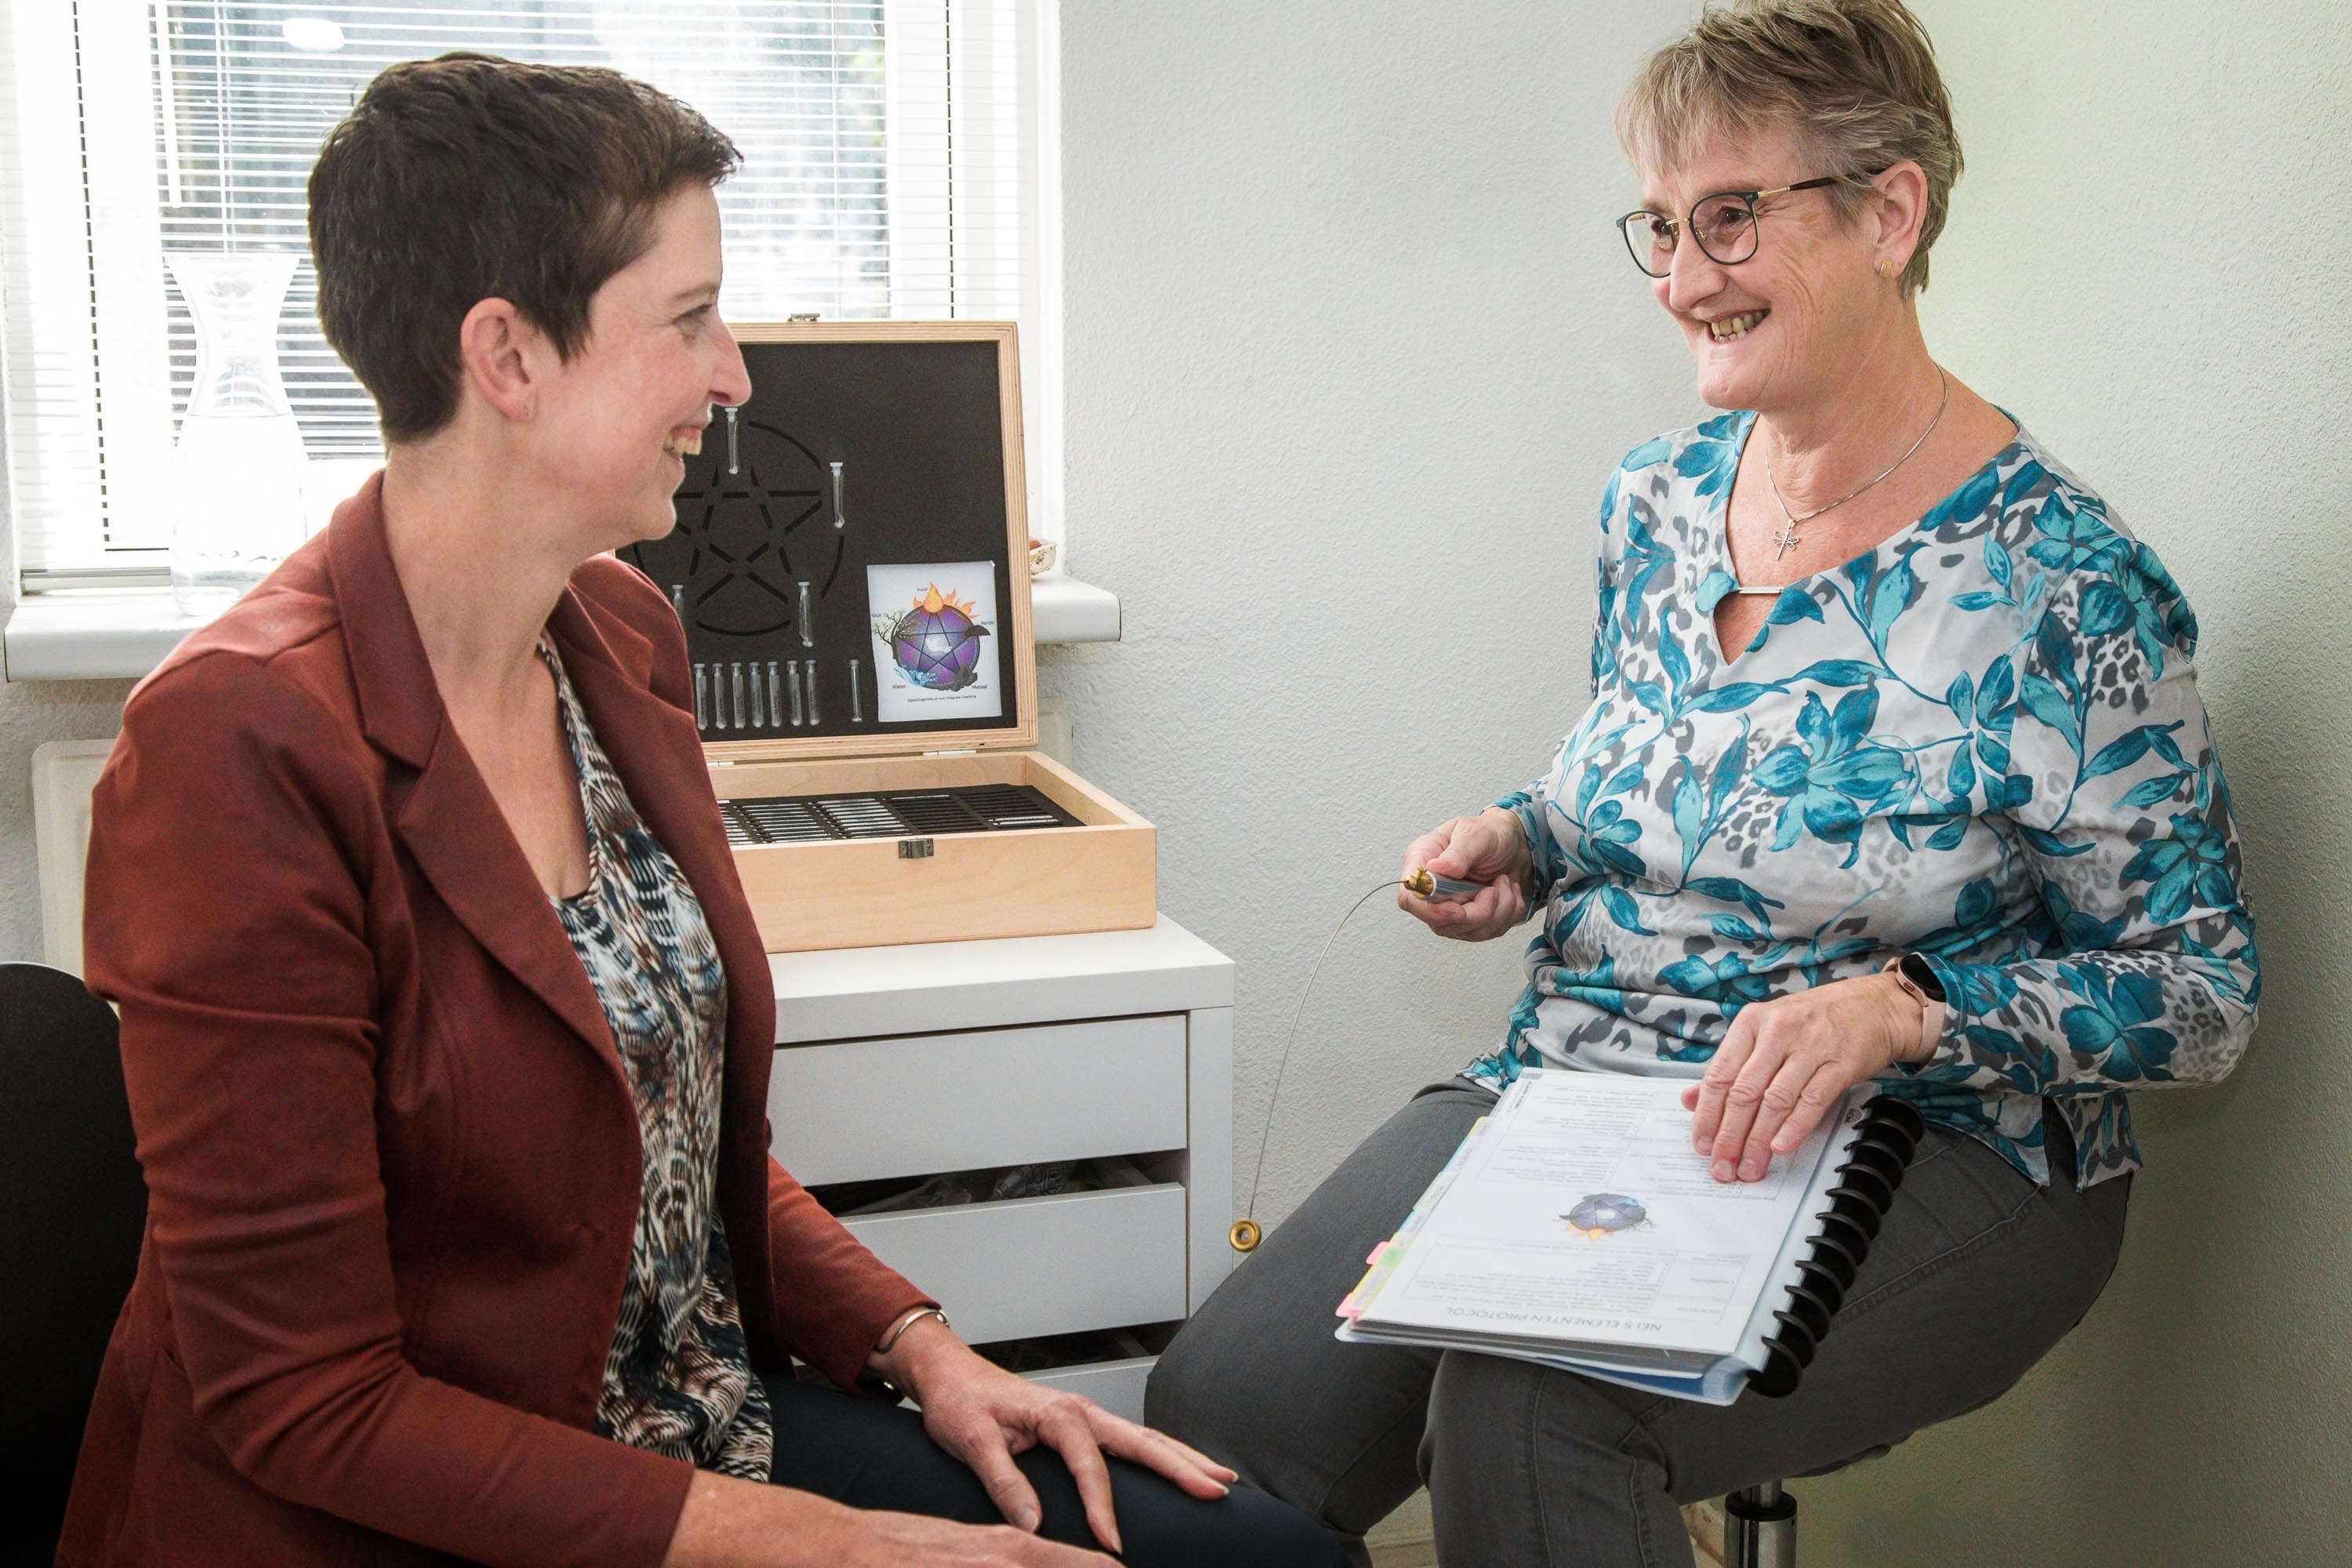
[(76, 1210)]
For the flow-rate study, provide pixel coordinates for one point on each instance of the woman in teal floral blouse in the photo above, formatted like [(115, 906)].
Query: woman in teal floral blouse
[(1894, 770)]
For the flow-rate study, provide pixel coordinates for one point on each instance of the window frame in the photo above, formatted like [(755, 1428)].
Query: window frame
[(104, 79)]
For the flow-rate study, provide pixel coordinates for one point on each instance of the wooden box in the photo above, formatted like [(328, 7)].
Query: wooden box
[(851, 564)]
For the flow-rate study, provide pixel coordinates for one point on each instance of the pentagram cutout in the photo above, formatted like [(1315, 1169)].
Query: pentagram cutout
[(734, 547)]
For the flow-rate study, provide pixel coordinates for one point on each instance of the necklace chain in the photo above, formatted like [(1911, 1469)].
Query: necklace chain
[(1787, 539)]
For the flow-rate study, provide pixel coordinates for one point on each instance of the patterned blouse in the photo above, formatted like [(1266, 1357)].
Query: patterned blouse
[(678, 1379), (1981, 741)]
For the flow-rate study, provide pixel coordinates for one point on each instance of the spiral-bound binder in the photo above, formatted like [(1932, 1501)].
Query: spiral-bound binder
[(1869, 1174), (1576, 1228)]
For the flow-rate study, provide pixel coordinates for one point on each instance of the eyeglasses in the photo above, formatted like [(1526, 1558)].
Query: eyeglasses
[(1722, 224)]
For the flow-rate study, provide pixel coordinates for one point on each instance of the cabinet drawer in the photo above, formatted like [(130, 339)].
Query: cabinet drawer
[(1042, 1265), (852, 1110), (1116, 1385)]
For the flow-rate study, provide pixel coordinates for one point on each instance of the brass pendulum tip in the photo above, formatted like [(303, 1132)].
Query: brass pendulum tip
[(1246, 1235), (1427, 884)]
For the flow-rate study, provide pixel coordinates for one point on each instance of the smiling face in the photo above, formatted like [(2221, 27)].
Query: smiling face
[(1790, 325), (612, 426)]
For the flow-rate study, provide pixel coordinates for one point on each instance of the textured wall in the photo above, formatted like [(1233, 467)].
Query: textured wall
[(1351, 352), (2146, 263)]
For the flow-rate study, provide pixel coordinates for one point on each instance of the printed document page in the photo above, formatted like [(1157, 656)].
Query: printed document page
[(1583, 1214)]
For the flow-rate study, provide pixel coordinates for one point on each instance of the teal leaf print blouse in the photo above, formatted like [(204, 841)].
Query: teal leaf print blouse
[(1981, 741)]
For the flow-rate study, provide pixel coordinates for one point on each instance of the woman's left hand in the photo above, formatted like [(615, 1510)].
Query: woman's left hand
[(1783, 1063), (984, 1415)]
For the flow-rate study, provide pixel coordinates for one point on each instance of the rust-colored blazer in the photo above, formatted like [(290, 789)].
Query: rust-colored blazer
[(390, 1151)]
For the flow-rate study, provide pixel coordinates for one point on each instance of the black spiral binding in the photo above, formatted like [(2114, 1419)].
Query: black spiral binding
[(1873, 1167)]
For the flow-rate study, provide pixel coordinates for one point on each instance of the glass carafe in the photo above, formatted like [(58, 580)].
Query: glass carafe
[(237, 467)]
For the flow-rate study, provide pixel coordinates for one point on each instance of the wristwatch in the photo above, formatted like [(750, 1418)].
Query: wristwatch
[(1912, 972), (1919, 974)]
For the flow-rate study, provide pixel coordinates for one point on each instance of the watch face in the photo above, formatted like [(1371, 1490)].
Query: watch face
[(1916, 971)]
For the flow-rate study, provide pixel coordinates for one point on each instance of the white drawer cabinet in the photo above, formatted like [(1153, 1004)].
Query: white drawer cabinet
[(909, 1061), (1113, 1385), (1059, 1265), (971, 1100)]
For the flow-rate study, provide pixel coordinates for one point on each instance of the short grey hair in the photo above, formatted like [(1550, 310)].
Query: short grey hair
[(1854, 80)]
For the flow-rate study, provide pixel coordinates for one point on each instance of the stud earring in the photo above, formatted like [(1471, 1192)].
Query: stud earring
[(1886, 268)]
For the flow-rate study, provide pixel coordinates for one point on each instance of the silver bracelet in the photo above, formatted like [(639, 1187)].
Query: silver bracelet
[(909, 1321)]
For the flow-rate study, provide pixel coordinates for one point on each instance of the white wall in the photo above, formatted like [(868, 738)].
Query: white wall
[(2147, 262), (1351, 345), (1352, 349)]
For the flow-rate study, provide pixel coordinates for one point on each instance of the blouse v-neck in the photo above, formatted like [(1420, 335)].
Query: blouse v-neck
[(1719, 575)]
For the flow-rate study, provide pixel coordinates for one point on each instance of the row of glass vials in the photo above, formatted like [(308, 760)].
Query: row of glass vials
[(775, 694)]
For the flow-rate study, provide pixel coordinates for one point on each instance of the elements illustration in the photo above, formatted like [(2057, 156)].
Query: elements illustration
[(938, 641), (1600, 1215), (935, 644)]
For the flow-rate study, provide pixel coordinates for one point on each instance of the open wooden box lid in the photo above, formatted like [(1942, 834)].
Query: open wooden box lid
[(876, 469)]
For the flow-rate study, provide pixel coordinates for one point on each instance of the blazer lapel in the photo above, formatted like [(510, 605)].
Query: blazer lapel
[(453, 825), (655, 750), (439, 806)]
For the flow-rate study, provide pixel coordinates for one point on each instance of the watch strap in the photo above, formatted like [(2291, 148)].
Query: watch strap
[(1912, 972)]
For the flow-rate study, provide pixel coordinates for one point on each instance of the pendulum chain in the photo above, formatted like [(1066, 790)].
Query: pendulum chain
[(1246, 1232)]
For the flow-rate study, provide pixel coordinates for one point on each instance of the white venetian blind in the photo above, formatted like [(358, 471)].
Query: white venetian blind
[(883, 176)]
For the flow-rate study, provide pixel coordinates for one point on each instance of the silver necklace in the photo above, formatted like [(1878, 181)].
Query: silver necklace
[(1788, 538)]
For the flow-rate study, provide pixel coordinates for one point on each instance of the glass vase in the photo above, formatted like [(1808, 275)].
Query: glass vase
[(238, 467)]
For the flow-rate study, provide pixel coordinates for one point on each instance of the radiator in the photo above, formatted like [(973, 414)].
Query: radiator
[(64, 773)]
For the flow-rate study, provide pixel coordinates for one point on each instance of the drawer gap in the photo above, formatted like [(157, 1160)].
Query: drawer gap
[(951, 1192), (918, 1034), (1048, 1352)]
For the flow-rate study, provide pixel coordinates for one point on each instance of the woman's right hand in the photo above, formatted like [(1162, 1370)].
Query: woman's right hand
[(905, 1540), (1487, 849), (732, 1523)]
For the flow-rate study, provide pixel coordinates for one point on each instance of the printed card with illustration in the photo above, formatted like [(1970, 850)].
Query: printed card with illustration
[(937, 651)]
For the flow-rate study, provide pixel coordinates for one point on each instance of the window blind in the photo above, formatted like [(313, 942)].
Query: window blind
[(884, 175)]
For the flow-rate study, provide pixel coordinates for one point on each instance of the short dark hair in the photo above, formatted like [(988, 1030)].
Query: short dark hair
[(469, 177)]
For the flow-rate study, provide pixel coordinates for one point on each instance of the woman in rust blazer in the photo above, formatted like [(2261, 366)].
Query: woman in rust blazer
[(393, 1153)]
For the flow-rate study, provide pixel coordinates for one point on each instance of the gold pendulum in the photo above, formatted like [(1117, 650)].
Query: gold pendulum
[(1422, 882)]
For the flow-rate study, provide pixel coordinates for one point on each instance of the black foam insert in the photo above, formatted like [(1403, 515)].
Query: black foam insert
[(919, 429), (891, 814)]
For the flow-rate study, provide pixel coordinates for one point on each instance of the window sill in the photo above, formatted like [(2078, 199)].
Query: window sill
[(120, 634)]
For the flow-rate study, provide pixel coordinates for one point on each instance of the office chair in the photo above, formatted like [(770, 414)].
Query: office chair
[(77, 1209), (1759, 1527)]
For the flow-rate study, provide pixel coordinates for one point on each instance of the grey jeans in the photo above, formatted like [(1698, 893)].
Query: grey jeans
[(1975, 1275)]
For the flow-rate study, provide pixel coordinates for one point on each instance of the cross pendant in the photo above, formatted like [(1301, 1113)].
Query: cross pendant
[(1787, 540)]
